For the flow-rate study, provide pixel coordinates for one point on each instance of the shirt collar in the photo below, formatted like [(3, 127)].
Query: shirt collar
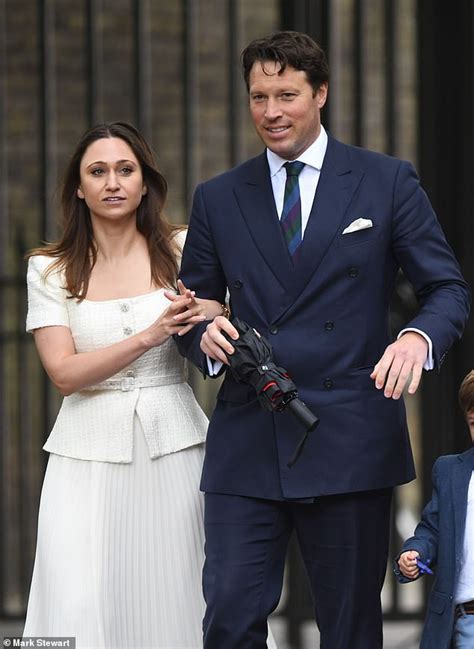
[(313, 156)]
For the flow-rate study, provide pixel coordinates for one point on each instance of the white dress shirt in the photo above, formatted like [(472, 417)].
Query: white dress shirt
[(308, 178), (465, 583)]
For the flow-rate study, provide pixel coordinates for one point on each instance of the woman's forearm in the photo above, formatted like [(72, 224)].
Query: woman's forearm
[(71, 371)]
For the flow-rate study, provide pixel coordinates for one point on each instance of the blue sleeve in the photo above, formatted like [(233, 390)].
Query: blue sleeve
[(426, 536), (428, 262), (201, 271)]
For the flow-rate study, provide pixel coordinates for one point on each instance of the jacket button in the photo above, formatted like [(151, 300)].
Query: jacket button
[(353, 272), (328, 383), (329, 325), (238, 283), (273, 329)]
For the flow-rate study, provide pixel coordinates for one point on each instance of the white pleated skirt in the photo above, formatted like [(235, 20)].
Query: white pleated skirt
[(120, 551)]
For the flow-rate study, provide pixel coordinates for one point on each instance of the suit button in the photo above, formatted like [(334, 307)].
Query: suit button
[(329, 325), (273, 329), (238, 283), (328, 383), (353, 272)]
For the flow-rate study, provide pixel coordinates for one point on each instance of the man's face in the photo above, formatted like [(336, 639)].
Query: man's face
[(284, 108), (470, 422)]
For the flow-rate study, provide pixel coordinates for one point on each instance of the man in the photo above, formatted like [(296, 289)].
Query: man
[(309, 253)]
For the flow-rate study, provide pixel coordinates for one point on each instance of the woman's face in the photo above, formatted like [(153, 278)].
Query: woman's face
[(111, 180)]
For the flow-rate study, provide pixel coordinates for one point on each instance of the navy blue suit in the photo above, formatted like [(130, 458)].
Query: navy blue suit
[(327, 319), (439, 537)]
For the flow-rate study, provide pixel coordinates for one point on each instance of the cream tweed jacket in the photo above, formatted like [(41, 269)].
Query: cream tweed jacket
[(97, 423)]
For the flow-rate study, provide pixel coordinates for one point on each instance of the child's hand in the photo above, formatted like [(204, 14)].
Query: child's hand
[(407, 564)]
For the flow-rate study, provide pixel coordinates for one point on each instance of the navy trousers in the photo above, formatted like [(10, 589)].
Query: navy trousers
[(344, 545)]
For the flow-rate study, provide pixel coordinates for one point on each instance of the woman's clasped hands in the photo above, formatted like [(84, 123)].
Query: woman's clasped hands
[(184, 312)]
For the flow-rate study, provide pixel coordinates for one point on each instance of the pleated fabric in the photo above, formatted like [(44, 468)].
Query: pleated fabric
[(120, 551)]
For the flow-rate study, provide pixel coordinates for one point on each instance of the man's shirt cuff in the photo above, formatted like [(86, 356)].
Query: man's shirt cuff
[(429, 362), (214, 367)]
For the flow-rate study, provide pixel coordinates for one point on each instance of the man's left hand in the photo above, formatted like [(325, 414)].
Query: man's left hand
[(402, 359)]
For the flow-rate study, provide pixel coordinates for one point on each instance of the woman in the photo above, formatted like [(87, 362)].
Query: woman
[(120, 541)]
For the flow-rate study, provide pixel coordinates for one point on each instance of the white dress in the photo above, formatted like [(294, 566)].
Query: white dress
[(120, 544), (120, 551)]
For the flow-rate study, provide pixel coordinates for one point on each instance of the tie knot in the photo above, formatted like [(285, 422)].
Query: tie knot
[(293, 168)]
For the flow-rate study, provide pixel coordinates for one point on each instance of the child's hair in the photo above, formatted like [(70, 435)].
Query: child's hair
[(466, 393)]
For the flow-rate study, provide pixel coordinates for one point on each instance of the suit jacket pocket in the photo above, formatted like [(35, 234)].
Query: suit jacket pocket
[(438, 602), (359, 236)]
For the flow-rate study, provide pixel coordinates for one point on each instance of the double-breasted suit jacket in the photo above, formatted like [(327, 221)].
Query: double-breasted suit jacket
[(439, 538), (327, 319)]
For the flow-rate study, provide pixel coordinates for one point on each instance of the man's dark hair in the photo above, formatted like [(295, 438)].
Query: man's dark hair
[(293, 49)]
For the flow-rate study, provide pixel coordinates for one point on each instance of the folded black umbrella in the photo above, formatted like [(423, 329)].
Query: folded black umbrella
[(252, 363)]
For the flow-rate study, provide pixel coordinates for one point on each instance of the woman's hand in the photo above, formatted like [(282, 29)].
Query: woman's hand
[(191, 310), (181, 316)]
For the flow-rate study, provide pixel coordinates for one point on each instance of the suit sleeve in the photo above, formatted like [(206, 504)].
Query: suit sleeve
[(202, 272), (428, 261), (426, 536)]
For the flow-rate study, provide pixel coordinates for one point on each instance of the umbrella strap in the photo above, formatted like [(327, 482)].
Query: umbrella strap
[(298, 450)]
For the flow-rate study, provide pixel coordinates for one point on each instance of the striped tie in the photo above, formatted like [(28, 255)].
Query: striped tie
[(291, 214)]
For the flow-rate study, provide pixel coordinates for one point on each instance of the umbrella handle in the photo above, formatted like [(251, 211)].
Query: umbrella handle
[(304, 415)]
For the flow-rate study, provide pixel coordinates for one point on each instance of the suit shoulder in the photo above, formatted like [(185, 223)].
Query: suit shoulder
[(243, 170), (467, 456), (446, 463), (368, 158)]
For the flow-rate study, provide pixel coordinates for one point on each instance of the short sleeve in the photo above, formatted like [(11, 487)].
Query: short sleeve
[(46, 295)]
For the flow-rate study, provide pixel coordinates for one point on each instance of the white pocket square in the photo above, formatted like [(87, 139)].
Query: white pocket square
[(358, 224)]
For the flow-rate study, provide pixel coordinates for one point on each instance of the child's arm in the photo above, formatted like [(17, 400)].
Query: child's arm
[(424, 543)]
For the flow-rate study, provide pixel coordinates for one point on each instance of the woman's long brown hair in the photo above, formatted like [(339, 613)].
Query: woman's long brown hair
[(75, 252)]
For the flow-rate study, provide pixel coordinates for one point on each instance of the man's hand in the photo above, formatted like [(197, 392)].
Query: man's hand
[(403, 358), (213, 342), (407, 564)]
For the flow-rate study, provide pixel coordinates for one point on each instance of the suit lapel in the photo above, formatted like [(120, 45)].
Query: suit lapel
[(460, 487), (337, 184), (255, 198), (336, 187)]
